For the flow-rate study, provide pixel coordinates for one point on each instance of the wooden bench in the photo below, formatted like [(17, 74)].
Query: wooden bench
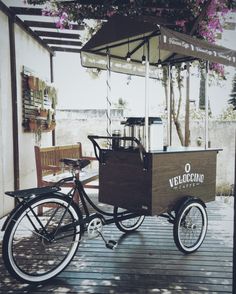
[(50, 170)]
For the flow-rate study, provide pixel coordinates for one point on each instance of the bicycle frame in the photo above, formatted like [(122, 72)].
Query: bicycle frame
[(85, 201), (107, 217)]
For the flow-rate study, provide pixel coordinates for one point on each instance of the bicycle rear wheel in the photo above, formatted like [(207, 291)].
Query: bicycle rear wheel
[(35, 246)]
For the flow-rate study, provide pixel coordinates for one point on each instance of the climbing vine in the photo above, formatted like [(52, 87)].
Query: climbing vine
[(180, 15)]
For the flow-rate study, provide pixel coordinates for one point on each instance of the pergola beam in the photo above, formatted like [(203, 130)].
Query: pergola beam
[(148, 3), (64, 49), (23, 26), (57, 35), (62, 42), (49, 25), (26, 10)]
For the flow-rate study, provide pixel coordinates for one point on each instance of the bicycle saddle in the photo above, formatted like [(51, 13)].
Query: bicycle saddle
[(76, 163)]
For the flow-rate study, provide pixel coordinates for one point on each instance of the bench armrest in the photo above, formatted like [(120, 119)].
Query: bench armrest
[(89, 157)]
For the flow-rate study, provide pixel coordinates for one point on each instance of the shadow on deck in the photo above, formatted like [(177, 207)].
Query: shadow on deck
[(146, 261)]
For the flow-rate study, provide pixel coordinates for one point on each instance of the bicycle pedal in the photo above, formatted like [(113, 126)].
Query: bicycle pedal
[(111, 244)]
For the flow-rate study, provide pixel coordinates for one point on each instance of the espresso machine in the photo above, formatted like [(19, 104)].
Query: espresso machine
[(135, 127)]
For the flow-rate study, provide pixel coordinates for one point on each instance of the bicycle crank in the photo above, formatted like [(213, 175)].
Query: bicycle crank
[(94, 229)]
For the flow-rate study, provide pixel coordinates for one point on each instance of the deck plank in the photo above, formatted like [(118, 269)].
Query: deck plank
[(146, 261)]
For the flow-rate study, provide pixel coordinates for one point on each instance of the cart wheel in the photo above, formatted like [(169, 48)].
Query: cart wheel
[(190, 226), (128, 225)]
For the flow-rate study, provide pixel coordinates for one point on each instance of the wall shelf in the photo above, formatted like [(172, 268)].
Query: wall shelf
[(39, 99)]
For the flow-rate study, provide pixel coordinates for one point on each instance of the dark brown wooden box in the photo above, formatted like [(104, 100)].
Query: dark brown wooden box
[(169, 176)]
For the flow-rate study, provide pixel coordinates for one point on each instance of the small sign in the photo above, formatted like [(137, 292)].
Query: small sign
[(188, 179)]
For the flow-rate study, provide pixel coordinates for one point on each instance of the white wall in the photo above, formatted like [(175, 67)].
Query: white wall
[(30, 54), (6, 151)]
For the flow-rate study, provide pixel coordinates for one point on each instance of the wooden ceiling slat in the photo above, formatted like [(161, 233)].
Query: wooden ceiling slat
[(50, 25), (146, 4), (45, 36), (64, 49), (20, 23), (57, 35), (62, 42), (26, 10)]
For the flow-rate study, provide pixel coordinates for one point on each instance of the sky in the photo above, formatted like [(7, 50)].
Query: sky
[(78, 90)]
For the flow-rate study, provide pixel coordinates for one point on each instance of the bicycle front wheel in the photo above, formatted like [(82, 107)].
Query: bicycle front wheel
[(36, 248), (190, 226)]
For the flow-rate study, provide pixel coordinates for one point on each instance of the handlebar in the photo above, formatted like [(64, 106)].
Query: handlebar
[(142, 151)]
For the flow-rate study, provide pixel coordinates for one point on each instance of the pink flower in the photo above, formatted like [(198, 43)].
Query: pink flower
[(59, 24), (180, 22), (64, 16), (218, 68)]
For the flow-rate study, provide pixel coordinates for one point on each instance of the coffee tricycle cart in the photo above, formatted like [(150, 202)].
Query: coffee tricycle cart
[(154, 180), (137, 174)]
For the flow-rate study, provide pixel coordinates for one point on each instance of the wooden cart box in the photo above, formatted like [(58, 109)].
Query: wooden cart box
[(169, 176)]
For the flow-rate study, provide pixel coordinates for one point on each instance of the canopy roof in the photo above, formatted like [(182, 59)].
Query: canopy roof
[(123, 35)]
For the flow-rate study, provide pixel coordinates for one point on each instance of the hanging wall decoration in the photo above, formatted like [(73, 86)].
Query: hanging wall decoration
[(39, 100)]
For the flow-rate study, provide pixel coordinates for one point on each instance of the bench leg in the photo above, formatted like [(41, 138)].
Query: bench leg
[(40, 210)]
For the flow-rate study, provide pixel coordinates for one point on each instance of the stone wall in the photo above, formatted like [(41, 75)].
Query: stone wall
[(75, 125)]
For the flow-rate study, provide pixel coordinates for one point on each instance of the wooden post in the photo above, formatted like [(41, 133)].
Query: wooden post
[(206, 106), (187, 131), (147, 98), (234, 237), (171, 103), (52, 80), (108, 98), (15, 134), (169, 108)]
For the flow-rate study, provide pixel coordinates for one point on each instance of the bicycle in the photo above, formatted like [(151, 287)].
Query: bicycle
[(38, 246), (56, 233)]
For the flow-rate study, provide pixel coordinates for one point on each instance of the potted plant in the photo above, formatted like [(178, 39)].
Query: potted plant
[(51, 125), (35, 127), (32, 124), (42, 112)]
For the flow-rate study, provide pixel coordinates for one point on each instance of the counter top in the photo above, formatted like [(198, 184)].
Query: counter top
[(184, 149)]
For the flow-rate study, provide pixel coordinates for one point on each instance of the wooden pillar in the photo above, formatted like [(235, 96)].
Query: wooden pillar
[(206, 106), (147, 97), (11, 24), (108, 97), (52, 80), (234, 236), (187, 108), (169, 107)]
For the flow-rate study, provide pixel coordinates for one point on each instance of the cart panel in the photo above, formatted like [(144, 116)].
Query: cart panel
[(175, 175), (123, 182), (169, 176)]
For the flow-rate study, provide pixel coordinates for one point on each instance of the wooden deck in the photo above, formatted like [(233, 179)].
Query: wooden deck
[(146, 261)]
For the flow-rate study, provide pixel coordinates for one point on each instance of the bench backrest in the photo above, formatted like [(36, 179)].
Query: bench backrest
[(48, 158)]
